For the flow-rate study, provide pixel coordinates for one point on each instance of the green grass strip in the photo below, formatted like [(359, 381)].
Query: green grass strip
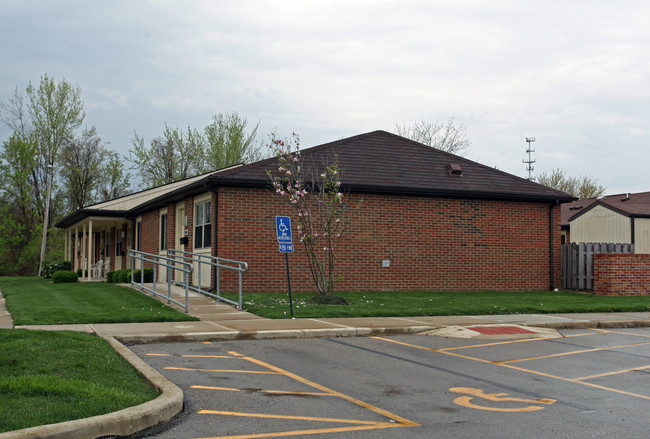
[(55, 376), (34, 301), (427, 303)]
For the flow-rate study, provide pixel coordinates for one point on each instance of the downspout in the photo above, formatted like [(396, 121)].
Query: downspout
[(632, 231), (213, 271)]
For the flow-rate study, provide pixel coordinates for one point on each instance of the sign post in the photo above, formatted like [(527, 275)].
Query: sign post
[(285, 245)]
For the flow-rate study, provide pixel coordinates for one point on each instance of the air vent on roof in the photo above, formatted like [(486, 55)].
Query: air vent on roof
[(454, 169), (575, 207), (626, 197)]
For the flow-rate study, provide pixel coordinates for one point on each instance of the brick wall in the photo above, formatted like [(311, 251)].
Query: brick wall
[(150, 234), (432, 244), (622, 274)]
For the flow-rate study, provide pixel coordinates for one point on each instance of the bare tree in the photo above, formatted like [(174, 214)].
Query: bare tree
[(449, 136), (82, 160)]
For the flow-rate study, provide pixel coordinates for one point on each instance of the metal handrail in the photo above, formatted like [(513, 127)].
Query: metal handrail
[(212, 261), (163, 261)]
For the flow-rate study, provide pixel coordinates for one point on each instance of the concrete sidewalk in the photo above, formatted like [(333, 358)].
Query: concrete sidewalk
[(224, 322)]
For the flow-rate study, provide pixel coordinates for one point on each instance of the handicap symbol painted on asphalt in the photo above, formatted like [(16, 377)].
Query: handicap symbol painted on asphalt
[(466, 401)]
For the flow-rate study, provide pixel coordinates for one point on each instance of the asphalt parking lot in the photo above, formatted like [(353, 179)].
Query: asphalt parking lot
[(588, 383)]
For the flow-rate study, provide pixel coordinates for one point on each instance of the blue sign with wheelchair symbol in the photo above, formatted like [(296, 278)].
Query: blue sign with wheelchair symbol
[(283, 227)]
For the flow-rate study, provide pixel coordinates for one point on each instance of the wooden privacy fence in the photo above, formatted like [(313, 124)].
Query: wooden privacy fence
[(578, 262)]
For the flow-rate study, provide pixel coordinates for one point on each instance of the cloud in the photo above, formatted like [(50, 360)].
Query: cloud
[(574, 75)]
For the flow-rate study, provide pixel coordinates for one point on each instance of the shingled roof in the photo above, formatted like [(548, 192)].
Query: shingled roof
[(381, 162), (637, 205), (376, 162)]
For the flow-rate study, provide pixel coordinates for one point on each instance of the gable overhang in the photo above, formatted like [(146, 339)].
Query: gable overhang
[(360, 188), (82, 215), (600, 203)]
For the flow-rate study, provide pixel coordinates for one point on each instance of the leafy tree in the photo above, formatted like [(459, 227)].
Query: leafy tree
[(114, 180), (321, 209), (42, 121), (17, 160), (580, 187), (179, 154), (226, 143), (18, 214), (169, 158), (56, 112), (448, 137)]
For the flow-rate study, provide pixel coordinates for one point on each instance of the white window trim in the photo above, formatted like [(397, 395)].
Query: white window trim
[(197, 201)]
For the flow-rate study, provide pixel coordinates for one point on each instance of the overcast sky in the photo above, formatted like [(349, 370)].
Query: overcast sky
[(573, 74)]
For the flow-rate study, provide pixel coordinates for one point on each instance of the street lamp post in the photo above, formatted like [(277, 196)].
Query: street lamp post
[(50, 167)]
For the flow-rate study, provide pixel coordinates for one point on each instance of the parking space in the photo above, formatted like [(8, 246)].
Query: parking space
[(589, 383)]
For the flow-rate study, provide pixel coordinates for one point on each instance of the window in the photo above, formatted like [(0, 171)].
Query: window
[(163, 232), (203, 227)]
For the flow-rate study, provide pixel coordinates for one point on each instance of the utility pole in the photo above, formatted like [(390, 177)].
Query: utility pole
[(530, 160), (50, 169)]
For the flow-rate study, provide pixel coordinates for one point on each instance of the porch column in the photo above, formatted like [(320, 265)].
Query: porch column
[(65, 245), (82, 249), (90, 246), (75, 257)]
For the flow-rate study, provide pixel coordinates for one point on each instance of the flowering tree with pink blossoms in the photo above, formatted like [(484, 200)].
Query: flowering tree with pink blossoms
[(314, 193)]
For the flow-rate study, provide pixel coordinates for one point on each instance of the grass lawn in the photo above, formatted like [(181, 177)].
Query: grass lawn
[(35, 301), (55, 376), (426, 303)]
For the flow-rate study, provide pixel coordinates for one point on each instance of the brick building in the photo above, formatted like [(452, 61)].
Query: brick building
[(427, 220)]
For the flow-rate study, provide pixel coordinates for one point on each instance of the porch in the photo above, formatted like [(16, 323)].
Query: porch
[(98, 245)]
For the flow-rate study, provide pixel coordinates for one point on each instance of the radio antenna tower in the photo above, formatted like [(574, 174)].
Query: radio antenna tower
[(530, 160)]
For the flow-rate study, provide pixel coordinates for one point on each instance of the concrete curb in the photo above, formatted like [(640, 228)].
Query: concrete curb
[(121, 423), (272, 334)]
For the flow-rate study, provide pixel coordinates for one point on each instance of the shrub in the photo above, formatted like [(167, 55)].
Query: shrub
[(148, 275), (109, 276), (64, 276), (124, 276), (49, 267)]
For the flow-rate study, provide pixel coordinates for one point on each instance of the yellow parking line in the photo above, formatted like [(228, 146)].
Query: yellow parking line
[(222, 370), (229, 389), (191, 356), (494, 344), (609, 331), (512, 341), (521, 369), (617, 372), (283, 392), (295, 418), (571, 353), (306, 432), (398, 419), (573, 380), (209, 356)]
